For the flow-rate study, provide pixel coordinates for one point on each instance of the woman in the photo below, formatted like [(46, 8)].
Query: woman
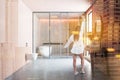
[(77, 50)]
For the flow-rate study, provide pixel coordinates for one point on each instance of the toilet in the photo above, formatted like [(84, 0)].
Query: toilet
[(34, 56)]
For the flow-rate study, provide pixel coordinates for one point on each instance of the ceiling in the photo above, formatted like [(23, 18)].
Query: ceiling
[(58, 5)]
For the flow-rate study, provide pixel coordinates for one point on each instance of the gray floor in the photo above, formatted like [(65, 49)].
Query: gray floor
[(103, 68), (56, 69), (51, 69)]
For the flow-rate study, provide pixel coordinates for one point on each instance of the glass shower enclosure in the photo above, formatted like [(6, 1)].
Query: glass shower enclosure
[(51, 31)]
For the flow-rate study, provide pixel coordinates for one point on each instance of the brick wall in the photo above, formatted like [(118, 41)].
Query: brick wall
[(108, 66)]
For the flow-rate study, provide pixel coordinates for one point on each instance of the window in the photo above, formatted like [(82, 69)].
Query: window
[(90, 22)]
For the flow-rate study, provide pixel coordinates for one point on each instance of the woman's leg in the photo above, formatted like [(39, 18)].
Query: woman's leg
[(74, 63), (82, 61)]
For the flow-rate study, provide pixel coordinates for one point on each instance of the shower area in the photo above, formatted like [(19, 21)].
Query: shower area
[(51, 30)]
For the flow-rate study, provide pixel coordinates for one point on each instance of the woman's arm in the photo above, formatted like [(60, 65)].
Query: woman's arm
[(70, 40)]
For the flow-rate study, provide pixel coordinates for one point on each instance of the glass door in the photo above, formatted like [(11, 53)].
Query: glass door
[(59, 29)]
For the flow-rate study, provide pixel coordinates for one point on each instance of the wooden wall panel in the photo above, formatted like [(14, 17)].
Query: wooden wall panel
[(8, 59), (11, 59)]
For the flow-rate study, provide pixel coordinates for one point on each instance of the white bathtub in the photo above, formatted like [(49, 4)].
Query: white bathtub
[(45, 51)]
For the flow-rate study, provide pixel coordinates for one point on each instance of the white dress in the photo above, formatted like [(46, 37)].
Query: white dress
[(78, 46)]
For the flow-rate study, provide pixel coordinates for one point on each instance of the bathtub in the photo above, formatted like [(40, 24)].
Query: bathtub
[(45, 50)]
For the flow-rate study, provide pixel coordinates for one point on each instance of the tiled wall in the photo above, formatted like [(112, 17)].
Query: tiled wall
[(11, 59)]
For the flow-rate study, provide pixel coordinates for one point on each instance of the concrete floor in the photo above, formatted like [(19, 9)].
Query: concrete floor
[(51, 69)]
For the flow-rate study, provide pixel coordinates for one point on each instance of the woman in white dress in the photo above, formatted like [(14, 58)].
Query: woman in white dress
[(77, 50)]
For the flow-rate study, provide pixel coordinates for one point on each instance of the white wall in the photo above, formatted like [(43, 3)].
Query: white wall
[(44, 32), (12, 21), (24, 25), (16, 23), (15, 28), (8, 21), (2, 21)]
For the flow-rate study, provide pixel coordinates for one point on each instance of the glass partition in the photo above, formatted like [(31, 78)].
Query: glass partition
[(51, 30)]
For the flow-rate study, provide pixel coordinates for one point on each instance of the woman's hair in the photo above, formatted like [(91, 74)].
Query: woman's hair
[(76, 37)]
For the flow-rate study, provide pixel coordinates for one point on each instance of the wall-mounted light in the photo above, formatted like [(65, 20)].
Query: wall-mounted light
[(110, 49), (96, 38), (117, 56), (75, 32)]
